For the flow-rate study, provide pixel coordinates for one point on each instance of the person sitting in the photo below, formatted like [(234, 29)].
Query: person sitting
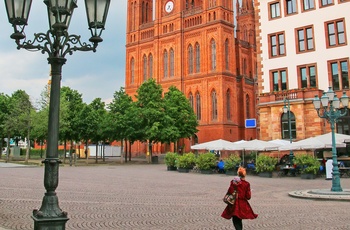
[(220, 166)]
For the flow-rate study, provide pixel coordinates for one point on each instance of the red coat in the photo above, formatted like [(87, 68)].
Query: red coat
[(241, 208)]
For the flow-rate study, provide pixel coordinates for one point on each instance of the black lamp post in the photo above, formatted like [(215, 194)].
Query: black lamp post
[(329, 108), (286, 109), (57, 43)]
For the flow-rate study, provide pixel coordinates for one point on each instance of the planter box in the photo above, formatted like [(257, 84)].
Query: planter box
[(265, 174), (171, 168), (183, 170), (308, 176)]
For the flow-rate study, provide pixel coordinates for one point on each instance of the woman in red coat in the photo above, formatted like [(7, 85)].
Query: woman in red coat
[(241, 209)]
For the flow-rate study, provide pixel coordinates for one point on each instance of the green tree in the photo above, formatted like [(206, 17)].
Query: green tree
[(123, 122), (152, 115), (21, 110), (183, 119), (71, 105), (4, 116)]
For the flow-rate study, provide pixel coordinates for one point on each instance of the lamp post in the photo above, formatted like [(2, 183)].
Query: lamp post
[(329, 108), (57, 43), (286, 109)]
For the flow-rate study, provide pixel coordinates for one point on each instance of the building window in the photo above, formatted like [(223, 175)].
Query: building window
[(214, 106), (324, 3), (335, 33), (275, 10), (227, 52), (150, 66), (144, 72), (279, 79), (213, 55), (165, 64), (190, 59), (198, 106), (339, 74), (228, 104), (172, 62), (291, 7), (198, 58), (132, 70), (307, 76), (308, 4), (190, 98), (277, 45), (285, 126), (247, 104), (305, 40)]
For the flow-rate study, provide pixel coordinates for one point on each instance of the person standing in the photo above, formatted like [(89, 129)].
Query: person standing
[(241, 209)]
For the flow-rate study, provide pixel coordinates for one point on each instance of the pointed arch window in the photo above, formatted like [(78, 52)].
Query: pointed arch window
[(190, 59), (214, 106), (132, 70), (198, 106), (172, 62), (165, 64), (190, 98), (144, 68), (227, 66), (285, 126), (228, 104), (198, 58), (150, 66), (213, 55)]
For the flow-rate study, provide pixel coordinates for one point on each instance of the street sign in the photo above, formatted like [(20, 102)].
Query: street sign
[(250, 123)]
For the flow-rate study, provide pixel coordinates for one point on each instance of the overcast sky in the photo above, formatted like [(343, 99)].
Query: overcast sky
[(94, 75)]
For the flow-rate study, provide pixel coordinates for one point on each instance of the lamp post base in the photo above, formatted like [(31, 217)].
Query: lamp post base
[(50, 223)]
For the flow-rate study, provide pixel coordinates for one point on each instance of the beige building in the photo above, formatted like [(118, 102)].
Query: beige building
[(302, 48)]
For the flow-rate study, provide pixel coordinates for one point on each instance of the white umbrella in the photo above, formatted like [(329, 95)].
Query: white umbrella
[(318, 142), (257, 145), (216, 145), (280, 142)]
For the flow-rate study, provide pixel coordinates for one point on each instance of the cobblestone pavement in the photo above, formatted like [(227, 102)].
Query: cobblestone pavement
[(141, 196)]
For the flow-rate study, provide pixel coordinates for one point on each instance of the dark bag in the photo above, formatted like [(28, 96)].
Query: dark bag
[(230, 198)]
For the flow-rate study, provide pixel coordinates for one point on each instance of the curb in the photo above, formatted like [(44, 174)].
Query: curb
[(321, 194)]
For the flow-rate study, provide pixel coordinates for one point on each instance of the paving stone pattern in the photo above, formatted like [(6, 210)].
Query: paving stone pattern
[(142, 196)]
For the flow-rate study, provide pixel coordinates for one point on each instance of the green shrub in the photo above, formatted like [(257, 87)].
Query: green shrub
[(187, 161), (170, 159), (265, 163), (307, 163), (206, 161), (231, 162)]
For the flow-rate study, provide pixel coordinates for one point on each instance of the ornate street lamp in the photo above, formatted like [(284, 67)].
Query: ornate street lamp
[(286, 109), (57, 43), (329, 108)]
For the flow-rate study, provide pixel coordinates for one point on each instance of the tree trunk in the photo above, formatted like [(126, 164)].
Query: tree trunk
[(96, 153), (64, 151)]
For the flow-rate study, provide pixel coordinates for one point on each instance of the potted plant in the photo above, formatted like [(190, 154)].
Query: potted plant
[(185, 162), (231, 164), (265, 165), (308, 165), (206, 162), (170, 161)]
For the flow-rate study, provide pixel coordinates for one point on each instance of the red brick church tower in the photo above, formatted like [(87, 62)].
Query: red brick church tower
[(200, 48)]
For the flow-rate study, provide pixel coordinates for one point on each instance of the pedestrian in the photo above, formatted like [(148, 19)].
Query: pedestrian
[(241, 208)]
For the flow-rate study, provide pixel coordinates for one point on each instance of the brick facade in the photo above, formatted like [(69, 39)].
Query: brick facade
[(196, 23)]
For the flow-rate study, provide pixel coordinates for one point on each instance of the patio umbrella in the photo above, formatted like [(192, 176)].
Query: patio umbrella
[(216, 145), (257, 145), (319, 142)]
